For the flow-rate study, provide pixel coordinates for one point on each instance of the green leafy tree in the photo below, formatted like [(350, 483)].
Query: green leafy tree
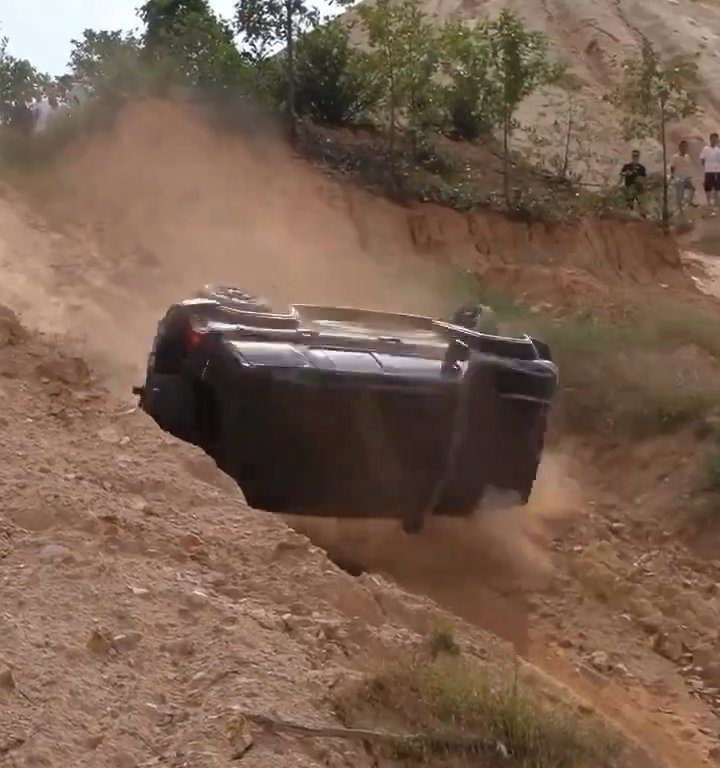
[(267, 25), (20, 82), (189, 41), (406, 53), (651, 94), (163, 17), (522, 64), (566, 148), (472, 99), (334, 80), (108, 62)]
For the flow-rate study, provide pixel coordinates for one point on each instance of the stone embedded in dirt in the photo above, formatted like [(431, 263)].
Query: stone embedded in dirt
[(196, 599), (127, 642), (621, 670), (34, 517), (238, 733), (98, 642), (55, 553), (73, 371), (600, 660), (11, 329), (182, 647), (191, 541), (651, 623), (109, 435), (7, 680), (95, 740), (124, 760), (704, 655), (669, 645), (711, 673)]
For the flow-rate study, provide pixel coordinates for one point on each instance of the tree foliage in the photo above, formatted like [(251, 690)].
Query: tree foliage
[(472, 99), (334, 80), (188, 43), (652, 94), (521, 64), (106, 61), (20, 82), (266, 25), (406, 54), (163, 18)]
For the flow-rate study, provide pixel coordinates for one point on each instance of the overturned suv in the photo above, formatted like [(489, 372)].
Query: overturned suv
[(346, 412)]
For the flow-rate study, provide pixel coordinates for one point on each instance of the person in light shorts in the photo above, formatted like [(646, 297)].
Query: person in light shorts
[(681, 173), (710, 160)]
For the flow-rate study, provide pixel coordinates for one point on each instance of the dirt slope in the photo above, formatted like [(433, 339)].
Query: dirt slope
[(145, 608), (92, 253)]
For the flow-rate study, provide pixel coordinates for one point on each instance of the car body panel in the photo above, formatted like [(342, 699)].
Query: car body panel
[(349, 412)]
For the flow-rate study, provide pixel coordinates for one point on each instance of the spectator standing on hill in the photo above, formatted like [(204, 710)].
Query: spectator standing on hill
[(681, 173), (710, 160), (632, 174)]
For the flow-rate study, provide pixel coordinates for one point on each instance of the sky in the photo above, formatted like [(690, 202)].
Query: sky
[(41, 30)]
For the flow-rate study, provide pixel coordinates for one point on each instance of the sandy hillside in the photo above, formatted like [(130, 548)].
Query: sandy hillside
[(593, 37), (145, 608)]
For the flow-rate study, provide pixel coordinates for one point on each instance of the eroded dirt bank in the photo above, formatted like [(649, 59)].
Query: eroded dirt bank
[(93, 253)]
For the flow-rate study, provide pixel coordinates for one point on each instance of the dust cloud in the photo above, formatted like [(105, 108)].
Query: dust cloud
[(163, 203), (482, 568)]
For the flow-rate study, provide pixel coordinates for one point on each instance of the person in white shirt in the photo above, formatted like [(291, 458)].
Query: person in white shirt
[(681, 173), (710, 160), (42, 112)]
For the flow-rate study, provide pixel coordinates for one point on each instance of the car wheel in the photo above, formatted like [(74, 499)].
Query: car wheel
[(235, 298), (476, 317)]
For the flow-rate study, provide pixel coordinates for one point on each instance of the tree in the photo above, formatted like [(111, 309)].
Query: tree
[(405, 48), (20, 83), (566, 148), (651, 94), (472, 99), (107, 61), (163, 17), (185, 38), (521, 64), (266, 25), (334, 82)]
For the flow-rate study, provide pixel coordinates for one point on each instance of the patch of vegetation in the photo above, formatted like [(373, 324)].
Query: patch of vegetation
[(650, 368), (442, 640), (457, 711)]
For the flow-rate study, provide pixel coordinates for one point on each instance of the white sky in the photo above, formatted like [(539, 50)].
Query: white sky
[(41, 30)]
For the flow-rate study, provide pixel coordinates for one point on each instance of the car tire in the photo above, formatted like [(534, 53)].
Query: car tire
[(235, 298), (476, 317)]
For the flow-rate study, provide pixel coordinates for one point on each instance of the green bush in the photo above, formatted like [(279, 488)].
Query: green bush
[(334, 83)]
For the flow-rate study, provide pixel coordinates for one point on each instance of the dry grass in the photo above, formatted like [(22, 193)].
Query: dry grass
[(460, 713)]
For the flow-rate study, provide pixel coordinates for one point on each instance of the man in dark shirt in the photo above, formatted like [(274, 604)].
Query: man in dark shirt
[(633, 174)]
